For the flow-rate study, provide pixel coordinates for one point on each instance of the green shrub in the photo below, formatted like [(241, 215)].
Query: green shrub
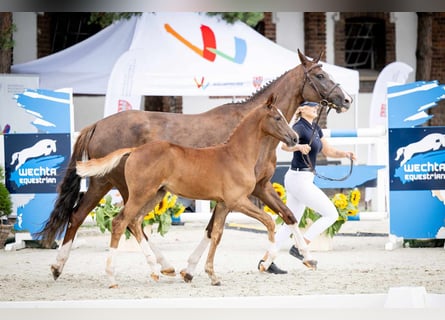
[(5, 197)]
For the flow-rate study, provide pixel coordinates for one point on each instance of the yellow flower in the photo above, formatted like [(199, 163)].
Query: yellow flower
[(355, 197), (102, 201), (269, 210), (161, 207), (149, 216), (340, 200), (352, 212), (279, 190), (172, 199), (179, 211)]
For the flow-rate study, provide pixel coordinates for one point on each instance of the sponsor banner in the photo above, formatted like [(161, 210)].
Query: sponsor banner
[(416, 155), (417, 158), (34, 163)]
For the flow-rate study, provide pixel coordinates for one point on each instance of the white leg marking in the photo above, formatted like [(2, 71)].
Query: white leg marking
[(197, 254), (150, 257), (62, 256), (109, 268)]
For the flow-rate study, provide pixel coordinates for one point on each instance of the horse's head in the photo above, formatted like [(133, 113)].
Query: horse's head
[(318, 86), (276, 125), (48, 145)]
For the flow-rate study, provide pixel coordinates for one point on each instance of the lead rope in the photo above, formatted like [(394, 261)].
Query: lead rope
[(307, 160)]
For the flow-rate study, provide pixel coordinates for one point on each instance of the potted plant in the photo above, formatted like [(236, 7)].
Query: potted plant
[(5, 211), (162, 215)]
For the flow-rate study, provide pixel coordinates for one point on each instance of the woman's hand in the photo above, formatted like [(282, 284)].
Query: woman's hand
[(350, 155), (304, 148)]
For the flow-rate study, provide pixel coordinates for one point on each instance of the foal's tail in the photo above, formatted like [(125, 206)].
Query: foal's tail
[(69, 192), (101, 166)]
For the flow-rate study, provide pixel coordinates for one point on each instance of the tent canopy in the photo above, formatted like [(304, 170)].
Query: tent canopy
[(86, 66), (172, 53)]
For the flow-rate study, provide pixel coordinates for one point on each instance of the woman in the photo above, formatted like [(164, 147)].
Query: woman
[(299, 182)]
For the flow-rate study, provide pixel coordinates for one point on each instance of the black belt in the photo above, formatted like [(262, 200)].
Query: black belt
[(301, 169)]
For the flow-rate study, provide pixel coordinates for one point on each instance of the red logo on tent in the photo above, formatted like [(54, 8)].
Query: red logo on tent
[(209, 50), (257, 81), (123, 105), (201, 84), (383, 110)]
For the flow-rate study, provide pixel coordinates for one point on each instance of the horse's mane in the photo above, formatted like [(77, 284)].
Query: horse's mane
[(261, 90), (242, 121), (253, 98)]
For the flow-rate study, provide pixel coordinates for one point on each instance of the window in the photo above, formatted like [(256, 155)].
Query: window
[(365, 43), (69, 29)]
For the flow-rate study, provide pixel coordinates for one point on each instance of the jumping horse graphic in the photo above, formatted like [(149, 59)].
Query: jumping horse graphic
[(433, 141), (42, 148)]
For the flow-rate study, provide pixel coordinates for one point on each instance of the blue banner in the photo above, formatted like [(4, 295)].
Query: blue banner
[(416, 162), (34, 163), (417, 158)]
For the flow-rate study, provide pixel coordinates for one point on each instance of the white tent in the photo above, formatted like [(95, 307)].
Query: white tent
[(171, 53)]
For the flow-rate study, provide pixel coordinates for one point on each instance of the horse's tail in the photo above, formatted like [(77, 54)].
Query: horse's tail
[(69, 192), (400, 151), (101, 166)]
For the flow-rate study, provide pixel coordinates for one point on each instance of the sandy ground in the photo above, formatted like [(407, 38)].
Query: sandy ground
[(355, 265)]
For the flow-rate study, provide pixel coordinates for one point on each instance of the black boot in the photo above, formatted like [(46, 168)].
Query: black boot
[(273, 268), (311, 264), (293, 251)]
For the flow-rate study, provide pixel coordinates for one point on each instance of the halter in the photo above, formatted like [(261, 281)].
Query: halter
[(324, 99), (323, 103)]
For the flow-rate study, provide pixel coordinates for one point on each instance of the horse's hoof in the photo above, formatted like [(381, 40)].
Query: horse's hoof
[(261, 267), (169, 272), (113, 286), (155, 277), (55, 271), (311, 264), (216, 283), (187, 277)]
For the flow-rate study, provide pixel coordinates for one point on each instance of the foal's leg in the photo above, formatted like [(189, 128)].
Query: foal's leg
[(96, 190), (135, 227), (247, 207), (187, 273), (215, 231), (119, 224)]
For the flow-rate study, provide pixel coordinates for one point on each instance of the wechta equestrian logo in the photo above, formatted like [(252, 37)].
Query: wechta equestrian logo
[(34, 161), (30, 169), (422, 160), (209, 50)]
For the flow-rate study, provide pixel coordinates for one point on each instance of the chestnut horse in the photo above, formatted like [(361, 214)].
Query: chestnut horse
[(160, 166), (307, 81)]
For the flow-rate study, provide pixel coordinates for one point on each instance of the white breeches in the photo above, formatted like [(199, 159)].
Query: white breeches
[(301, 193)]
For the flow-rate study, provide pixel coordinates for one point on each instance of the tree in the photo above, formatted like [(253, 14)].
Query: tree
[(6, 41), (424, 52)]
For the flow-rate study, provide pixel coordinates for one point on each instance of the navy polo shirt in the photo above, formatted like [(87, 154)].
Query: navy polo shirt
[(304, 130)]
